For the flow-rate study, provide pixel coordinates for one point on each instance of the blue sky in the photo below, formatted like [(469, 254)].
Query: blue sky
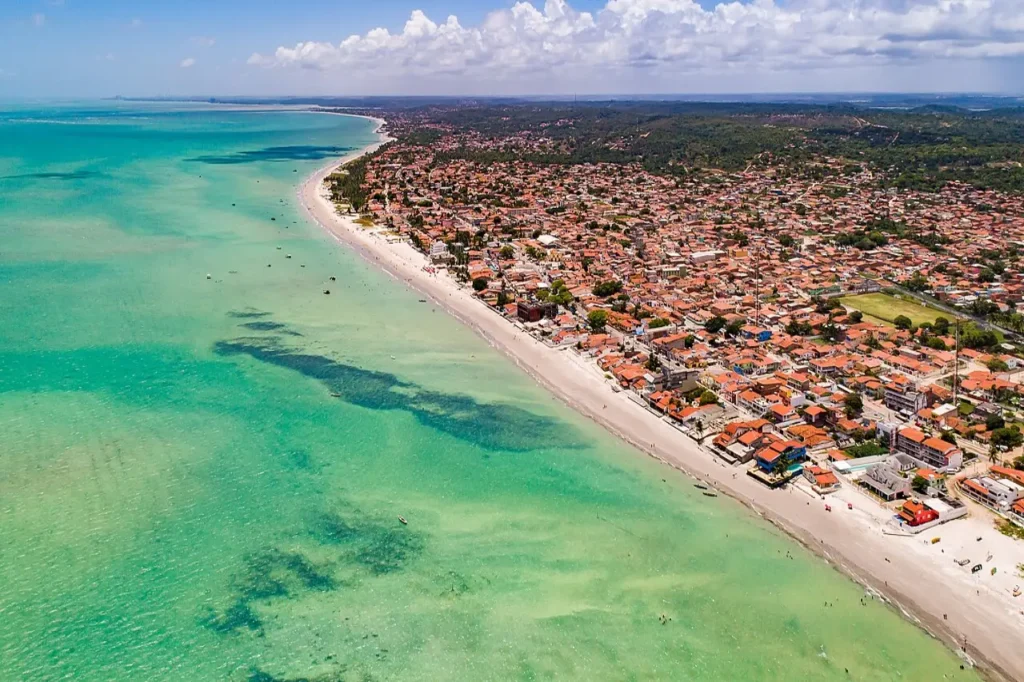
[(104, 47)]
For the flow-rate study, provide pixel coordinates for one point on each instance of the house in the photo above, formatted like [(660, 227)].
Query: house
[(929, 451), (767, 458), (822, 481), (890, 479), (914, 513)]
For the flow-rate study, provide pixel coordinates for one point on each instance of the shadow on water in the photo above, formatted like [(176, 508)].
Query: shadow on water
[(291, 153), (488, 425)]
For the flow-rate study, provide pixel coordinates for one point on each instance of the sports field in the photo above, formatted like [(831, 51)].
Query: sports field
[(885, 308)]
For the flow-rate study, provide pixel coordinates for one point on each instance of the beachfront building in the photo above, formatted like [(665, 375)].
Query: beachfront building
[(928, 451), (890, 479), (822, 481), (915, 513), (998, 494)]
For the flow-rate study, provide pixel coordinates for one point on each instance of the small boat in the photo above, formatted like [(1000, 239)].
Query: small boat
[(333, 278), (976, 568), (936, 541), (288, 255), (1016, 592), (335, 395), (327, 292), (700, 485), (709, 494), (423, 300), (393, 357), (402, 519), (963, 562)]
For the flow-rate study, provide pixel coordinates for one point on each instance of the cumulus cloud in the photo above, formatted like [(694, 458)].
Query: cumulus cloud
[(187, 63), (38, 19), (675, 36)]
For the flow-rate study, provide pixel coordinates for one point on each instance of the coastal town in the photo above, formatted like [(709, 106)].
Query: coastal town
[(808, 332), (843, 358)]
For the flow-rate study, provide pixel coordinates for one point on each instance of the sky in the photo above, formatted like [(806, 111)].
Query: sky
[(83, 48)]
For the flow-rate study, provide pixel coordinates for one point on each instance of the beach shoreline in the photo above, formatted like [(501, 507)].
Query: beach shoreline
[(851, 541)]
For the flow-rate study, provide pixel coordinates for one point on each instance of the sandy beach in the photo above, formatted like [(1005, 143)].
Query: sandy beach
[(918, 578)]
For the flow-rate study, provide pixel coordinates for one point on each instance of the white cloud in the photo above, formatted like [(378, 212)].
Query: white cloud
[(204, 41), (187, 63), (38, 19), (673, 37), (135, 23)]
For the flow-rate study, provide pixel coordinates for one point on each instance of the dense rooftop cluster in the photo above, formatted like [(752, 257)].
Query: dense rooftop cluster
[(773, 297)]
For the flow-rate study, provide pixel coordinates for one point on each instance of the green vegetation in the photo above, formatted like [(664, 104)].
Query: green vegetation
[(597, 319), (871, 448), (915, 148), (708, 398), (886, 309), (606, 289), (480, 283), (658, 323), (715, 324), (919, 484), (1007, 437), (1010, 529)]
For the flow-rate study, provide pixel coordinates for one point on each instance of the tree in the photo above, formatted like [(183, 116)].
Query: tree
[(606, 289), (480, 283), (786, 241), (994, 421), (903, 322), (1007, 437), (918, 282), (689, 341), (708, 398), (920, 485), (856, 316), (941, 325), (853, 404), (507, 252), (715, 324), (734, 327), (658, 322), (830, 332), (997, 365), (597, 319), (948, 437)]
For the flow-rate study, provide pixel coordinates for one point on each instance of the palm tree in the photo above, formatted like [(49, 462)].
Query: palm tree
[(700, 428)]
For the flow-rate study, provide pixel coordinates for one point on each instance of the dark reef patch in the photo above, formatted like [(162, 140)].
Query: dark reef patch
[(357, 545), (70, 175), (269, 326), (268, 574), (288, 153), (248, 314), (491, 426), (258, 675), (380, 547)]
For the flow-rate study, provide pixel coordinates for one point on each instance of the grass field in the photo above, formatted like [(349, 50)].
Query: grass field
[(884, 308)]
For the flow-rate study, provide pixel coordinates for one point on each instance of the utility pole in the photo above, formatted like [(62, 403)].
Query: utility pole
[(956, 363)]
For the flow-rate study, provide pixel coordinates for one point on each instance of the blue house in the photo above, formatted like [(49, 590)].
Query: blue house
[(759, 334), (794, 451)]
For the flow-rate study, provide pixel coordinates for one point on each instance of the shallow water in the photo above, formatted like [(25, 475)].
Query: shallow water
[(182, 497)]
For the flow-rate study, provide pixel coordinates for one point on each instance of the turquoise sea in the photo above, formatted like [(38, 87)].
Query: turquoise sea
[(200, 479)]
